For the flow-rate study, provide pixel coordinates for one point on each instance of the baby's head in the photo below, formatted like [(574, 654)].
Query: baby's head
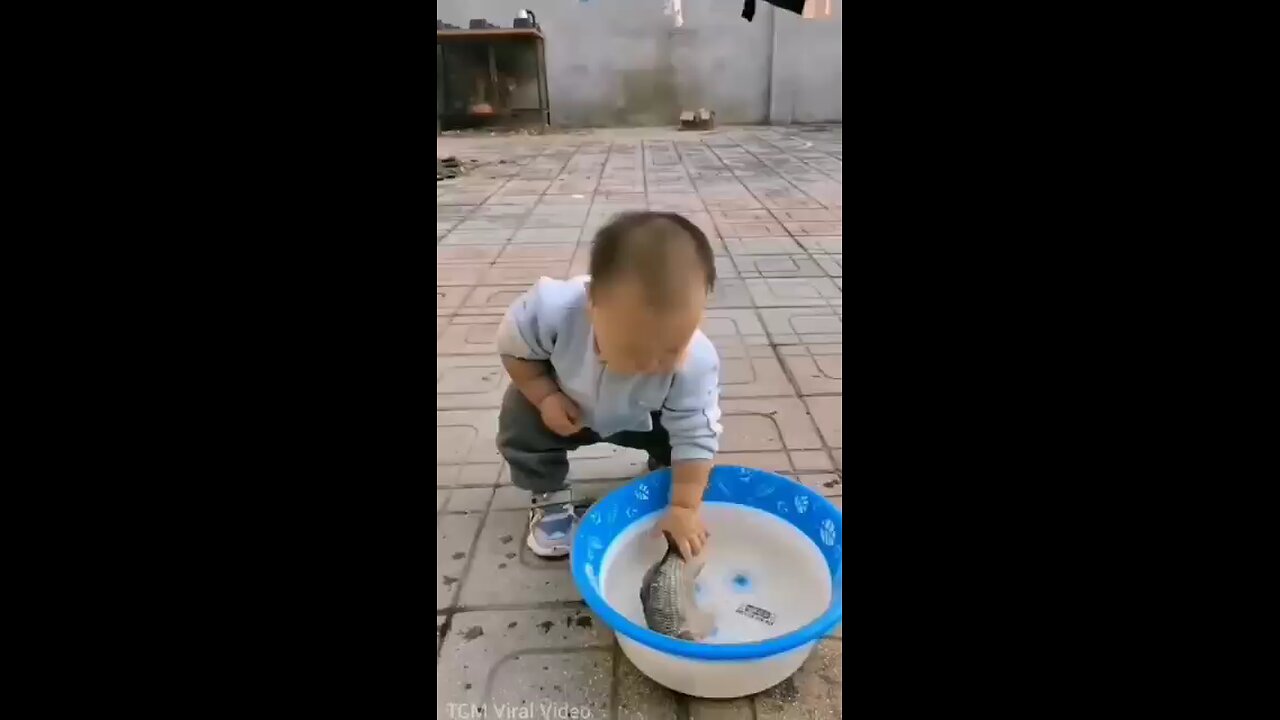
[(651, 273)]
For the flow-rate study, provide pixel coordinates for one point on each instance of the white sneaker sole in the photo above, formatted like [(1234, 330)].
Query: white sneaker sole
[(554, 552)]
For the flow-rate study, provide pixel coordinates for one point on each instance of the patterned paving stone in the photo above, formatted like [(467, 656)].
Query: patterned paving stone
[(830, 245), (751, 371), (467, 474), (831, 265), (730, 293), (505, 660), (829, 416), (794, 292), (812, 215), (791, 326), (733, 327), (466, 500), (758, 432), (735, 709), (755, 266), (459, 275), (469, 382), (762, 246), (536, 253), (815, 691), (478, 237), (640, 698), (817, 369), (494, 223), (454, 537), (493, 300), (525, 274), (504, 571), (466, 436), (469, 335), (733, 217), (468, 254), (826, 484), (814, 228), (449, 298)]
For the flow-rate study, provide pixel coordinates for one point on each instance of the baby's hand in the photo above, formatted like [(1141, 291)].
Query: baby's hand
[(560, 414), (685, 528)]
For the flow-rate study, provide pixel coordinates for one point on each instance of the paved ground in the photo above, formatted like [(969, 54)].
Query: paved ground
[(512, 631)]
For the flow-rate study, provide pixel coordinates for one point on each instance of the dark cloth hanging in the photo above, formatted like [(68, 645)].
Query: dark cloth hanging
[(795, 6)]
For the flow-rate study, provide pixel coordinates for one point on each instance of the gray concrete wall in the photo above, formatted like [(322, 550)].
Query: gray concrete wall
[(622, 63), (807, 75)]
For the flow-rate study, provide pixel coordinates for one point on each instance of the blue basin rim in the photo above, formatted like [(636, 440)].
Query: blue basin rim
[(789, 500)]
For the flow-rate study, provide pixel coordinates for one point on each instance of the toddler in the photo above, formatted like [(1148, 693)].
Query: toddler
[(615, 356)]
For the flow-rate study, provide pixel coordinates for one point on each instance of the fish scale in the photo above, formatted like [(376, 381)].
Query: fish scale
[(666, 596)]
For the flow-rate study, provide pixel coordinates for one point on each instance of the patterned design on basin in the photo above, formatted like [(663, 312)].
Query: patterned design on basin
[(781, 497)]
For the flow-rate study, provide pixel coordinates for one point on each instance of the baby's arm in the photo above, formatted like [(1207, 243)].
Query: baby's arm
[(526, 339), (691, 415)]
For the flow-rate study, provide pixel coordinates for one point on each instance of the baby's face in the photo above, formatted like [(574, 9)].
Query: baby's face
[(635, 339)]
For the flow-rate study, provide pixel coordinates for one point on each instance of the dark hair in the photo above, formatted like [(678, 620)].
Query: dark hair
[(641, 245)]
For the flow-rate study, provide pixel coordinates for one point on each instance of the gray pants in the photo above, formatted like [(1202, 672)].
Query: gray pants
[(539, 457)]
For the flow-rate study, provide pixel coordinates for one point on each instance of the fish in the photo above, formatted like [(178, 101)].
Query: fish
[(666, 596)]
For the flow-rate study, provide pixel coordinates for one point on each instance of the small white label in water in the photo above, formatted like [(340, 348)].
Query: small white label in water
[(756, 613)]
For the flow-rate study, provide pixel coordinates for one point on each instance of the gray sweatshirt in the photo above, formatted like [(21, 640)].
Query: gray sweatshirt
[(550, 322)]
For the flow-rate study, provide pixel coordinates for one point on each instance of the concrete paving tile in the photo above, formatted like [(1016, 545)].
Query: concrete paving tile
[(753, 424), (825, 484), (497, 211), (640, 698), (469, 500), (813, 325), (571, 200), (604, 461), (828, 413), (466, 436), (815, 228), (762, 246), (756, 266), (706, 709), (449, 298), (453, 213), (809, 460), (838, 456), (454, 537), (525, 187), (811, 215), (681, 202), (732, 217), (585, 492), (478, 237), (751, 371), (733, 327), (793, 292), (474, 335), (839, 503), (745, 230), (789, 202), (498, 223), (815, 691), (725, 268), (526, 201), (491, 299), (461, 198), (538, 219), (467, 254), (828, 245), (469, 381), (772, 461), (467, 474), (459, 275), (831, 265), (504, 571), (532, 253), (817, 369), (442, 499), (547, 235), (730, 293), (737, 203), (526, 274), (560, 660)]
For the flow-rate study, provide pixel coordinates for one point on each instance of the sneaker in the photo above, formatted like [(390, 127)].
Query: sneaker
[(551, 530)]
